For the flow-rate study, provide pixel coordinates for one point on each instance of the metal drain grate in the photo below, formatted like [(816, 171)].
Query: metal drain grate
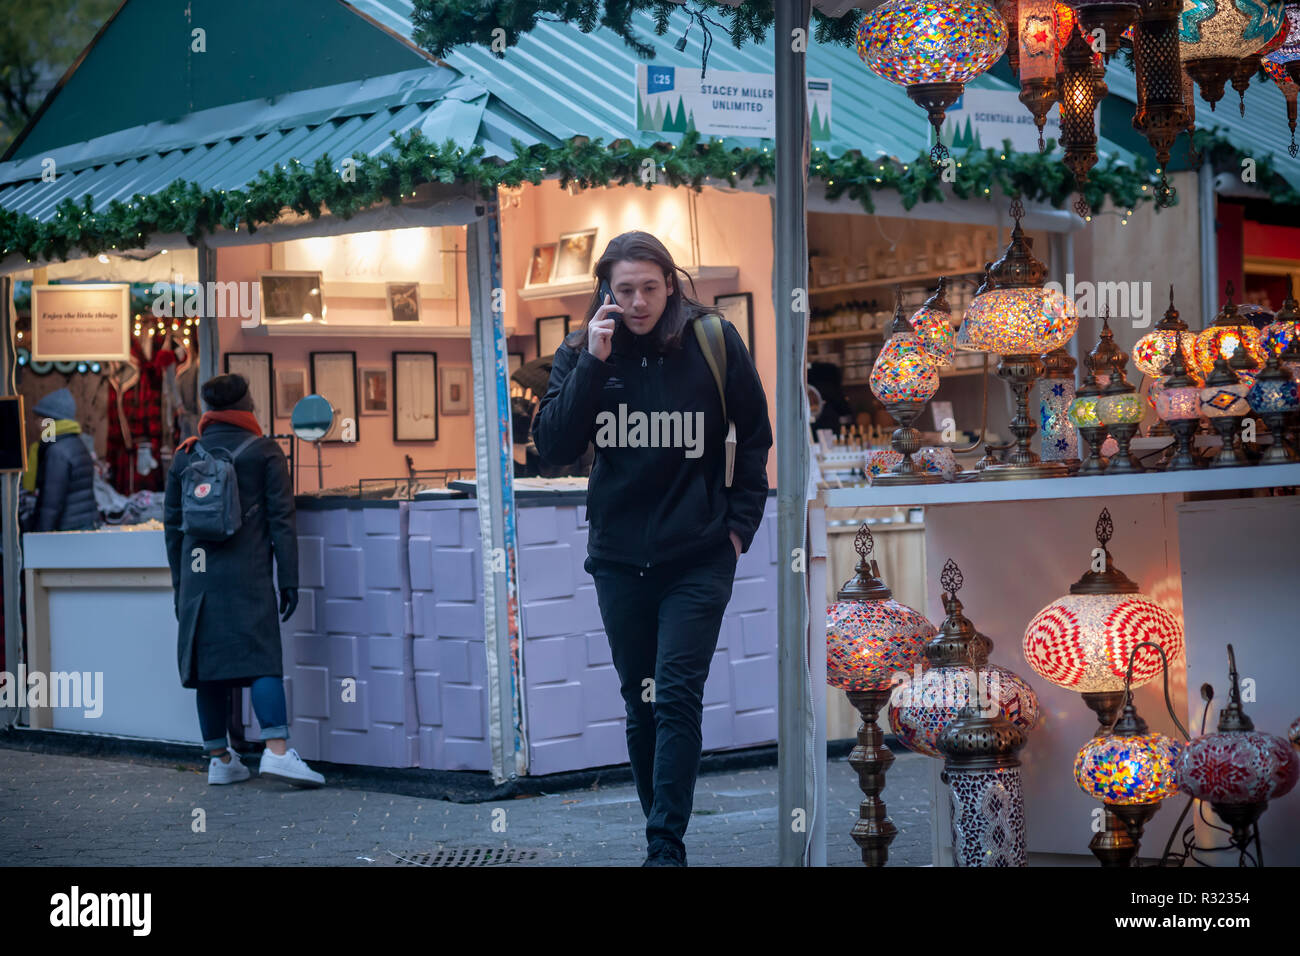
[(469, 856)]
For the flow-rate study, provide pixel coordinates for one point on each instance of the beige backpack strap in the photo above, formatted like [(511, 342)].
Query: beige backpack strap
[(708, 329)]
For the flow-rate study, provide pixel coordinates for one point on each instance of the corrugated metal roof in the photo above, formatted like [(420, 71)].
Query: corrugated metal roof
[(585, 83), (1261, 132), (227, 146)]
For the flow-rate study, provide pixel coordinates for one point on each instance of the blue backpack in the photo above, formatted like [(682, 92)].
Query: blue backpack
[(210, 508)]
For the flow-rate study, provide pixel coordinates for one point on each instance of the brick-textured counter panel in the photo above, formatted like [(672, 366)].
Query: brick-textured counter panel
[(576, 716)]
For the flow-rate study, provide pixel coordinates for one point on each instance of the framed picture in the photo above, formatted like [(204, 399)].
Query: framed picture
[(455, 391), (738, 309), (551, 330), (256, 367), (573, 258), (290, 387), (292, 297), (376, 391), (404, 301), (541, 264), (334, 376), (415, 396)]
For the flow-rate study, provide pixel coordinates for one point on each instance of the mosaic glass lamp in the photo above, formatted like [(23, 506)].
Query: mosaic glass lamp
[(933, 325), (1178, 403), (1131, 771), (1120, 409), (1287, 56), (1020, 320), (1248, 66), (1289, 90), (1223, 402), (1079, 95), (1285, 327), (1293, 733), (1215, 34), (1154, 350), (903, 378), (932, 47), (1228, 333), (1056, 394), (1082, 640), (869, 638), (1083, 410), (923, 707), (1239, 769), (1039, 59), (1273, 397)]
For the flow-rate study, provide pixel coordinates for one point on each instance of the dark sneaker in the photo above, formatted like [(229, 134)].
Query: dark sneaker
[(665, 855)]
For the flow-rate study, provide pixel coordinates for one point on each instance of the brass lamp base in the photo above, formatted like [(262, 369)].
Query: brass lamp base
[(1042, 469), (1241, 817), (1105, 704), (874, 831), (907, 442), (1096, 463), (1184, 457), (1118, 844), (1231, 455), (1278, 453), (1020, 372)]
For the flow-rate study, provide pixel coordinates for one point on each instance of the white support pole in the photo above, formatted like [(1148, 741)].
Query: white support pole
[(13, 636), (1209, 242), (209, 336)]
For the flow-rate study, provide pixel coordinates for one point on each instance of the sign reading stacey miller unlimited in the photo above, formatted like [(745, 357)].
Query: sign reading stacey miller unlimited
[(724, 103), (90, 322)]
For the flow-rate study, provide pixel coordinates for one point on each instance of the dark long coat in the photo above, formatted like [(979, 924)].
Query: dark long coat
[(228, 613)]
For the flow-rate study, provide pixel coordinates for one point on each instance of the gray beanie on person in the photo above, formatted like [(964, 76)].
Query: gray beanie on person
[(58, 404)]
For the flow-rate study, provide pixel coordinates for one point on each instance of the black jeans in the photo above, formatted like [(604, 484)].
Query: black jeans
[(662, 624)]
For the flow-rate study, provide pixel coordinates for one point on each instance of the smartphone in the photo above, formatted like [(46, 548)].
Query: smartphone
[(605, 290)]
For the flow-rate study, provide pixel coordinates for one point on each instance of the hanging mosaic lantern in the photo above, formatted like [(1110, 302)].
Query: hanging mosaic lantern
[(1009, 11), (1082, 640), (1278, 74), (1039, 60), (921, 709), (904, 378), (1287, 56), (1248, 66), (933, 325), (1215, 34), (869, 638), (933, 48), (1111, 17), (1239, 769), (1078, 94), (1161, 113)]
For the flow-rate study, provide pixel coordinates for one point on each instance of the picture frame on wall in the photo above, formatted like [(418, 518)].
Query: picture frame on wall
[(455, 391), (541, 264), (403, 301), (574, 254), (738, 309), (334, 376), (376, 391), (258, 369), (290, 388), (289, 296), (415, 396), (551, 330)]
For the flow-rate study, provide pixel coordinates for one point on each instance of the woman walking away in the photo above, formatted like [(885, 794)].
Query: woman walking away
[(222, 532), (666, 527)]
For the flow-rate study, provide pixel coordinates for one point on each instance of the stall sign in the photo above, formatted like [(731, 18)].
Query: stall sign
[(724, 103), (982, 119), (89, 322)]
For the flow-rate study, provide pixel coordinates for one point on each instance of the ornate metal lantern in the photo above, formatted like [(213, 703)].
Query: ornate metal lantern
[(1039, 60), (1111, 17), (1279, 75), (1248, 66), (1215, 34), (1120, 409), (1079, 97), (1287, 56), (1178, 403), (1161, 112), (933, 325), (904, 378)]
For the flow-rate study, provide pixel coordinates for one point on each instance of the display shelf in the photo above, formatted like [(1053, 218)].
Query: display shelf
[(409, 330), (1097, 486), (898, 280), (585, 285)]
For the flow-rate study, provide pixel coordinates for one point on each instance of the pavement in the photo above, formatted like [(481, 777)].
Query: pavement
[(59, 809)]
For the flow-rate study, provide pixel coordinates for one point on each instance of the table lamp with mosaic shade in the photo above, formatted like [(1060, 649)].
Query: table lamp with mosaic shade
[(870, 638), (1082, 640), (1120, 409), (1130, 770), (1083, 410), (1178, 403), (1225, 336), (904, 378), (1154, 350), (1273, 397), (1238, 770), (1223, 402), (1019, 320)]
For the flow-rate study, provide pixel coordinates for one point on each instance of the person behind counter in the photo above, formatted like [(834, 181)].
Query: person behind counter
[(60, 469), (665, 532), (229, 628)]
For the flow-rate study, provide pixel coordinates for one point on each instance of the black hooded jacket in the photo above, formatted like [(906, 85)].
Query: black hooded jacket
[(649, 505)]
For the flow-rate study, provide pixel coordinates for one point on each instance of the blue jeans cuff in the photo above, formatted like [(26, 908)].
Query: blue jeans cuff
[(211, 745), (272, 733)]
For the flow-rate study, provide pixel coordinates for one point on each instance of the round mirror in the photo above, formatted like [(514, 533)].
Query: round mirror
[(312, 417)]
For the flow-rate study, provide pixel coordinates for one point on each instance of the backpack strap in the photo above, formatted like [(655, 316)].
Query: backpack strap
[(234, 454), (708, 330)]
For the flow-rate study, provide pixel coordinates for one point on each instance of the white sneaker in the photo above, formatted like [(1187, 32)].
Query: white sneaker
[(221, 772), (290, 768)]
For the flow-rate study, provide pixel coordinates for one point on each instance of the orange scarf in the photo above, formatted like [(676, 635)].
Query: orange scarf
[(245, 420)]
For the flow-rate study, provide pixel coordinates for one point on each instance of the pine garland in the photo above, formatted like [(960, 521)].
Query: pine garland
[(186, 208), (440, 25)]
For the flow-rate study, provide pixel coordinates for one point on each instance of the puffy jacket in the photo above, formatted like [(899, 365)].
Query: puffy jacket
[(648, 505), (65, 478)]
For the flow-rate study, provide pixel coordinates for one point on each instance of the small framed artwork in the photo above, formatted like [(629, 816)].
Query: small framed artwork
[(551, 330), (292, 297), (290, 387), (738, 309), (455, 391), (334, 376), (376, 391), (573, 257), (257, 369), (540, 265), (415, 396), (404, 301)]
